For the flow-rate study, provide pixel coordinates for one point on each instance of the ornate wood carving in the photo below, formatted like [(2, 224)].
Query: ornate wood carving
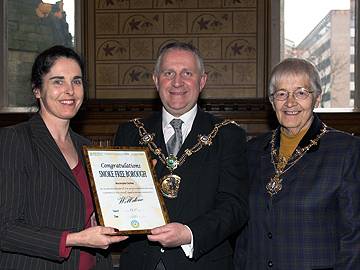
[(99, 119)]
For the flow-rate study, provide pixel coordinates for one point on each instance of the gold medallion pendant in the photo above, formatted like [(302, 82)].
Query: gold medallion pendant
[(282, 165), (170, 185), (274, 185)]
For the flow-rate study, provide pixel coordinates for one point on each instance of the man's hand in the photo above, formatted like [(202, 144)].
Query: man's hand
[(171, 235)]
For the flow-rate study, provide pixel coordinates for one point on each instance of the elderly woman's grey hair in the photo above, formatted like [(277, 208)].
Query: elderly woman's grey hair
[(295, 67), (182, 46)]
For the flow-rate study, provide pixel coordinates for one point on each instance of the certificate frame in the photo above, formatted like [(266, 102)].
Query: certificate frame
[(125, 188)]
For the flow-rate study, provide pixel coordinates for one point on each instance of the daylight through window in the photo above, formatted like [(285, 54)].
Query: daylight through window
[(323, 31), (31, 27)]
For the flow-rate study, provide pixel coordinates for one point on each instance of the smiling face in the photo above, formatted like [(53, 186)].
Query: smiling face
[(294, 115), (62, 90), (179, 81)]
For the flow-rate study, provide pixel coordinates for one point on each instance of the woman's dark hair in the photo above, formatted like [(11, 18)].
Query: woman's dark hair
[(45, 60)]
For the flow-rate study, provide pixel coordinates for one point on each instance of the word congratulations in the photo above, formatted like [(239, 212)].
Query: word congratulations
[(112, 166)]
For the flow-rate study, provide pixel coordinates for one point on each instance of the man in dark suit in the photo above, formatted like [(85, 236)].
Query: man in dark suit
[(201, 167)]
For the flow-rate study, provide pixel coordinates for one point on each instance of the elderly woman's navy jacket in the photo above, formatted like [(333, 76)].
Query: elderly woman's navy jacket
[(314, 221)]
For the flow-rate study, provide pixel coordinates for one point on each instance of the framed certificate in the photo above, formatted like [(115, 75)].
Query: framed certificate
[(125, 189)]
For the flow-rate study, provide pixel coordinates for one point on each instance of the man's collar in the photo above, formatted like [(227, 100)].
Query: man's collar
[(187, 117)]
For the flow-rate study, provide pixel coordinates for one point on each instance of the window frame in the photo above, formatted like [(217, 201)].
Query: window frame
[(276, 40), (3, 55), (78, 20)]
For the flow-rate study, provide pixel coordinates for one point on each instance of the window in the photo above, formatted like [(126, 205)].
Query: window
[(29, 27), (324, 32)]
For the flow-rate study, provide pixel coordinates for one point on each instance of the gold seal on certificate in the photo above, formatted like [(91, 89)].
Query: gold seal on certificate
[(125, 189)]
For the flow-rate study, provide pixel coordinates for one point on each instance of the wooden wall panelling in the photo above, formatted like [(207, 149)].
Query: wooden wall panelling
[(98, 119), (122, 47)]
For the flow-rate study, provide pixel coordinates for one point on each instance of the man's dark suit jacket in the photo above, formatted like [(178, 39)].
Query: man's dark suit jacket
[(39, 199), (212, 199), (314, 221)]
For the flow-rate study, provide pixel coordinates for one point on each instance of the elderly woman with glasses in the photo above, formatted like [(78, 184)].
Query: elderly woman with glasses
[(305, 184)]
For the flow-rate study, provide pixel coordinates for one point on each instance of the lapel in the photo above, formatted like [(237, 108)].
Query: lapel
[(46, 144), (189, 170), (267, 171), (78, 147), (202, 125), (296, 172), (154, 125)]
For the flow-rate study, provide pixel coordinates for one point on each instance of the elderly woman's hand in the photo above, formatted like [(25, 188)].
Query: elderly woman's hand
[(94, 237)]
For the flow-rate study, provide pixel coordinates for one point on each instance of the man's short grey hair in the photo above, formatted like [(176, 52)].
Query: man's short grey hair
[(295, 67), (182, 46)]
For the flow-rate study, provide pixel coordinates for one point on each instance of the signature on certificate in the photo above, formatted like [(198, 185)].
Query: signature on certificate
[(129, 199)]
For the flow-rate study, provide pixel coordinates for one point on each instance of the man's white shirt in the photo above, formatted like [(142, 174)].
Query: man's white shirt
[(168, 131)]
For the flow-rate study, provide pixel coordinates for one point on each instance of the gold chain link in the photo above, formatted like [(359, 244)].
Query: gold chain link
[(203, 140), (282, 166)]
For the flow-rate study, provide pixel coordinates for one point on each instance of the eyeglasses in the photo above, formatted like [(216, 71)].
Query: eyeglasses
[(300, 93)]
